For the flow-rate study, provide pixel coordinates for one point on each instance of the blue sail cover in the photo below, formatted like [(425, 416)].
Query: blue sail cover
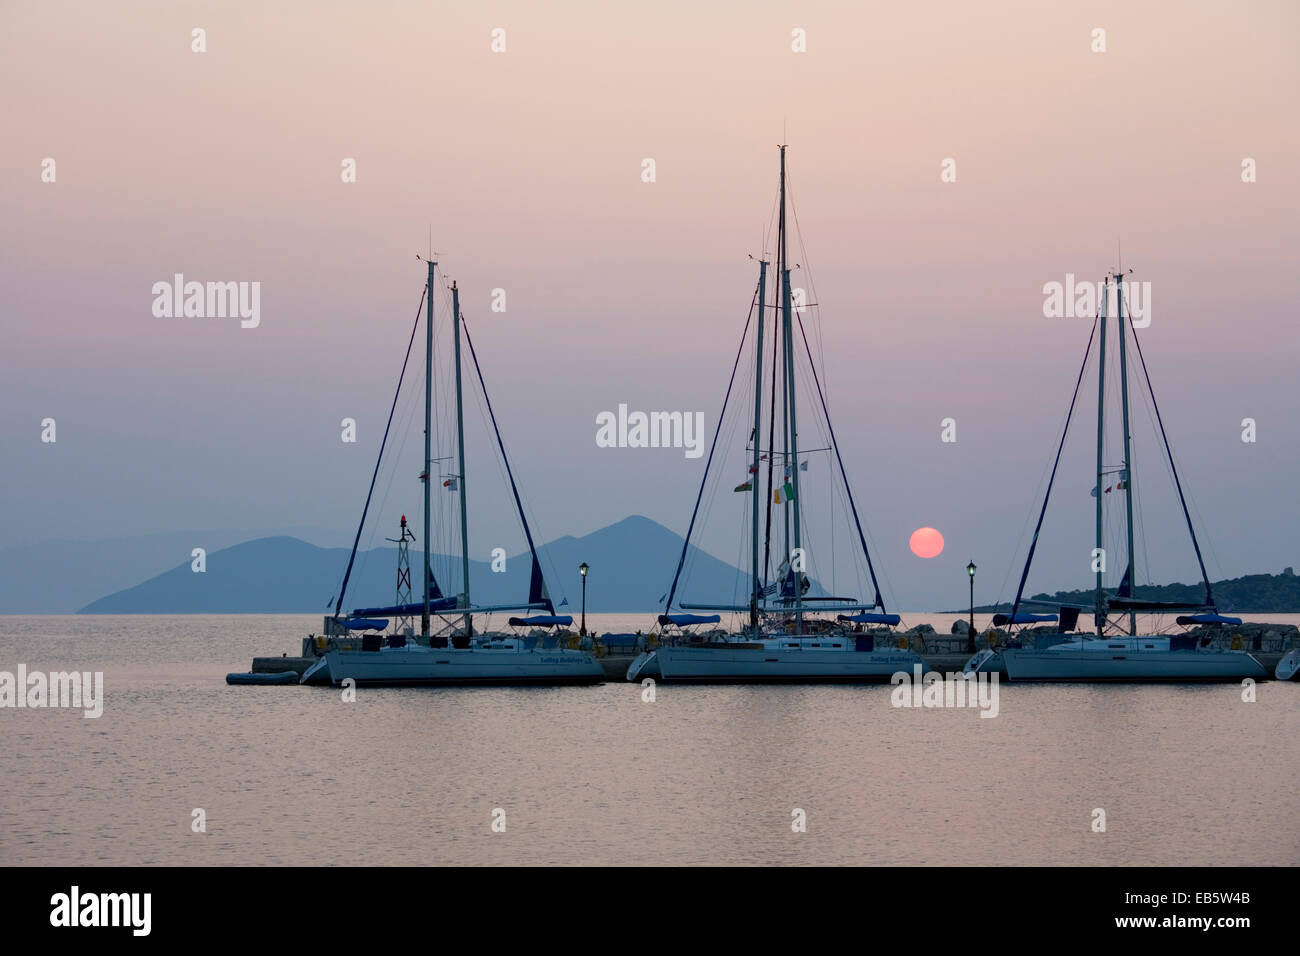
[(542, 620), (865, 618), (364, 624), (682, 620), (1022, 617), (1208, 619)]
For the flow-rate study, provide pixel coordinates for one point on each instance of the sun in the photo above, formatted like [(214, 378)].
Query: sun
[(926, 543)]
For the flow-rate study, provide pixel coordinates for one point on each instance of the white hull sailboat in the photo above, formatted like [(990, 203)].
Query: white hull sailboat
[(802, 660), (1111, 654), (787, 637), (455, 654), (490, 662), (1129, 659)]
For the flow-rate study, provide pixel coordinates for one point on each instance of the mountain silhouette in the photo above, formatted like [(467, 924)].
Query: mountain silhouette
[(631, 567)]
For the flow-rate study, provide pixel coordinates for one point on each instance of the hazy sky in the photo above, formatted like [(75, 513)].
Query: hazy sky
[(527, 164)]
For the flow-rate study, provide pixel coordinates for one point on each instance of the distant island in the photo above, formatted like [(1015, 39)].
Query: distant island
[(632, 564), (1250, 594)]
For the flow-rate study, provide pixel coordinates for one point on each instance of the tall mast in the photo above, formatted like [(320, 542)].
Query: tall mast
[(1099, 615), (460, 479), (1127, 474), (771, 460), (782, 276), (758, 441), (428, 447), (792, 457)]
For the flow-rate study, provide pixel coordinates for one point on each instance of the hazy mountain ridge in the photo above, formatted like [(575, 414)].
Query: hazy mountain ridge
[(632, 564), (60, 576)]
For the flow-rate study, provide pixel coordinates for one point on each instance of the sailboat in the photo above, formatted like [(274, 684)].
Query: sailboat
[(1110, 654), (788, 635), (456, 654)]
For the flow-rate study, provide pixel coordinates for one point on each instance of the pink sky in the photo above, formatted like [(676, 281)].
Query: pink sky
[(225, 165)]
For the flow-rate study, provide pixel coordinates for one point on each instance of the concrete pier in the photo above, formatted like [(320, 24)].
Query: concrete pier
[(616, 665)]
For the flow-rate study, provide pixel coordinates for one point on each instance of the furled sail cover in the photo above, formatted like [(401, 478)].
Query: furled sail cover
[(1208, 619), (1139, 604), (542, 620), (406, 610), (864, 618), (682, 620), (1021, 617)]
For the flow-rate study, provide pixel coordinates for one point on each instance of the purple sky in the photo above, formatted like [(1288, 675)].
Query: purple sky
[(225, 165)]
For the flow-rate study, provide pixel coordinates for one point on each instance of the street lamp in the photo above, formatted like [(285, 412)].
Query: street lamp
[(582, 569), (970, 634)]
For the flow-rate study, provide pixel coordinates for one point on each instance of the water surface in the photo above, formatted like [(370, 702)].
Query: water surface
[(711, 775)]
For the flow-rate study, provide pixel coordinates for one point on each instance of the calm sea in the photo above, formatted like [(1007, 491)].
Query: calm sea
[(711, 775)]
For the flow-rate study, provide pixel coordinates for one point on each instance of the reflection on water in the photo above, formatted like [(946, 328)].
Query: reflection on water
[(1186, 774)]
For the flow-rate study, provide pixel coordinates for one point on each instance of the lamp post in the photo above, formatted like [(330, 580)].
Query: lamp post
[(970, 634), (582, 569)]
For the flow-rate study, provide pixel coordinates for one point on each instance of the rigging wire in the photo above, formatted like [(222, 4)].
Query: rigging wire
[(879, 600), (537, 585), (1047, 497), (672, 591), (1209, 596), (361, 525)]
